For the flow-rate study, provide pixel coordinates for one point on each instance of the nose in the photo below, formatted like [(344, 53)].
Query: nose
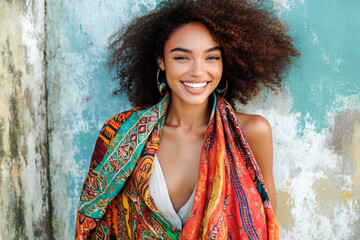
[(197, 68)]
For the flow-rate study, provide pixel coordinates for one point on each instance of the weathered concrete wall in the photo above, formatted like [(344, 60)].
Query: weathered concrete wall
[(24, 189), (80, 92), (315, 121)]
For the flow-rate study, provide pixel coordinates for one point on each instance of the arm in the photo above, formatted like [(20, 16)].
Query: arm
[(85, 225), (258, 134)]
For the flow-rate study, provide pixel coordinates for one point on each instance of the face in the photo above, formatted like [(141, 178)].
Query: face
[(192, 63)]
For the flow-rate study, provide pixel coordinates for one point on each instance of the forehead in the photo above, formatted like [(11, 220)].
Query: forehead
[(192, 36)]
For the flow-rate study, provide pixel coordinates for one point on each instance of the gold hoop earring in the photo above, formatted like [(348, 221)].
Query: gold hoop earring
[(222, 92), (161, 86)]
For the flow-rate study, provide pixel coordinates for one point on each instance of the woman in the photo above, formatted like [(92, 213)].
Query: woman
[(179, 166)]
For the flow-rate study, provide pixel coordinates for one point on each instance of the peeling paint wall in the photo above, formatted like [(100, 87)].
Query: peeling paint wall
[(80, 93), (316, 173), (24, 189), (315, 120)]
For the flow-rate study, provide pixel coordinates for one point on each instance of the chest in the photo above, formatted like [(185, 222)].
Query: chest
[(179, 159)]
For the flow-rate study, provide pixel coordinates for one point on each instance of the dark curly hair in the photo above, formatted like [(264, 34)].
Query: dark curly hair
[(255, 47)]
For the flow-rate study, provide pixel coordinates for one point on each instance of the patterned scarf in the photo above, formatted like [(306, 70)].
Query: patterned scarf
[(230, 199)]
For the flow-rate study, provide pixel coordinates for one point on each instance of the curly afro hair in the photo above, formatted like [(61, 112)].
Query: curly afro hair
[(255, 47)]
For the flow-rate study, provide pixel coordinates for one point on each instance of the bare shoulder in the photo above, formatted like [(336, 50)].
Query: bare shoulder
[(257, 132), (254, 127)]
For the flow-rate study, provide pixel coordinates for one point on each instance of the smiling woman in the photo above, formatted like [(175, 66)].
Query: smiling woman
[(192, 63), (183, 168)]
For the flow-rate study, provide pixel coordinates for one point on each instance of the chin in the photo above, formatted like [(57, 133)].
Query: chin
[(196, 101), (191, 99)]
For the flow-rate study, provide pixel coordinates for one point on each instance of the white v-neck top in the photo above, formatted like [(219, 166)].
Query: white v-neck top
[(159, 192)]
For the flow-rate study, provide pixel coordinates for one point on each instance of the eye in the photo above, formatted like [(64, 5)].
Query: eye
[(180, 58), (213, 58)]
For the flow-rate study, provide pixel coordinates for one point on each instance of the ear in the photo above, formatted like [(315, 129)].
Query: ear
[(160, 63)]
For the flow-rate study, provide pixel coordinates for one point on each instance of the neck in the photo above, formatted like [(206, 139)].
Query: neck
[(188, 116)]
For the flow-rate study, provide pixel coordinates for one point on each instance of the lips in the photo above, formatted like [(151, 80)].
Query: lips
[(195, 85)]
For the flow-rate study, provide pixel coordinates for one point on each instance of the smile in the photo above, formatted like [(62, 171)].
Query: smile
[(195, 85)]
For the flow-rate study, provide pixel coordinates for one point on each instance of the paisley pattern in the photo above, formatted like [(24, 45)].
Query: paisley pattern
[(230, 199)]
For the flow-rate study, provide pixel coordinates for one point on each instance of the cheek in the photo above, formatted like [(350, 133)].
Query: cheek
[(175, 70), (216, 71)]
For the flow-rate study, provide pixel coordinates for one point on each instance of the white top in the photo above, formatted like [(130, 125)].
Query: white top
[(159, 192)]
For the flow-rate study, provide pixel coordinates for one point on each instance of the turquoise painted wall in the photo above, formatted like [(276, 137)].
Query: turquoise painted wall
[(328, 38), (58, 50), (80, 94), (321, 90)]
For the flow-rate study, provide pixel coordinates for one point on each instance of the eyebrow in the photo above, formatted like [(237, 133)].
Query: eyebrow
[(179, 49)]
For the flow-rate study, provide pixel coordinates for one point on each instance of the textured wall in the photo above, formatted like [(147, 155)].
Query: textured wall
[(315, 120), (24, 188), (80, 92), (316, 123)]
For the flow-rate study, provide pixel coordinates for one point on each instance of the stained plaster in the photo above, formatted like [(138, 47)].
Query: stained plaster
[(318, 197), (80, 91), (24, 195), (316, 144)]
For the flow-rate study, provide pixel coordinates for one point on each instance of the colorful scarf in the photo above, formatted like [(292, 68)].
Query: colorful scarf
[(230, 199)]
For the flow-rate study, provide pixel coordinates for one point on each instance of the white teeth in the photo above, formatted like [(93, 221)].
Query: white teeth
[(195, 85)]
